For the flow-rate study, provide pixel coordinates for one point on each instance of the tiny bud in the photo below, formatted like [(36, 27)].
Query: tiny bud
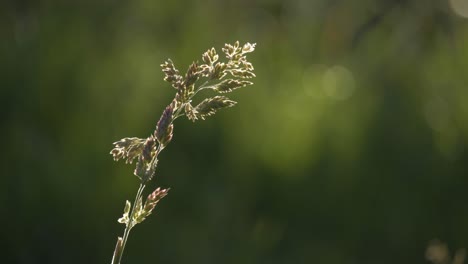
[(248, 47)]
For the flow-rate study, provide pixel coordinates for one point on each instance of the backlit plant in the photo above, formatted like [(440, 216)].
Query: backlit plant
[(222, 77)]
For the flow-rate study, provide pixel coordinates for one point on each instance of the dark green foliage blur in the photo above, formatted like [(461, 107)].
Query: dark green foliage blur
[(350, 148)]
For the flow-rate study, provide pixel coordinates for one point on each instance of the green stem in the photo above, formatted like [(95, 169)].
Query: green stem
[(130, 221)]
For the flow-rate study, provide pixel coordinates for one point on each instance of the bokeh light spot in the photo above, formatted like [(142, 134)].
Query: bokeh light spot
[(338, 83), (460, 7)]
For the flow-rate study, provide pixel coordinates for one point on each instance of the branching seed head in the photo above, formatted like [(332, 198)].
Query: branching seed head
[(146, 151)]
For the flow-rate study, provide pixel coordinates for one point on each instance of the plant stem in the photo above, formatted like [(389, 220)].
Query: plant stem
[(130, 221)]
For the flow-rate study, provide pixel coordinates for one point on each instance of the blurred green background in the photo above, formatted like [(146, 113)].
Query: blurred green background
[(351, 147)]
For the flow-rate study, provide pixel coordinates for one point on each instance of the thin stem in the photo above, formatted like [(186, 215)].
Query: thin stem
[(130, 221), (203, 85)]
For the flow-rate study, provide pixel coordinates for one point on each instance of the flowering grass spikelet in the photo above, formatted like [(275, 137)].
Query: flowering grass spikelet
[(128, 149), (164, 127), (209, 106), (171, 74), (230, 85), (192, 75)]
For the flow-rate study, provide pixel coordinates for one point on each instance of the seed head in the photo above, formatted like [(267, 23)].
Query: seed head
[(128, 149), (172, 75), (164, 127), (209, 106), (148, 149), (154, 198), (192, 75)]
